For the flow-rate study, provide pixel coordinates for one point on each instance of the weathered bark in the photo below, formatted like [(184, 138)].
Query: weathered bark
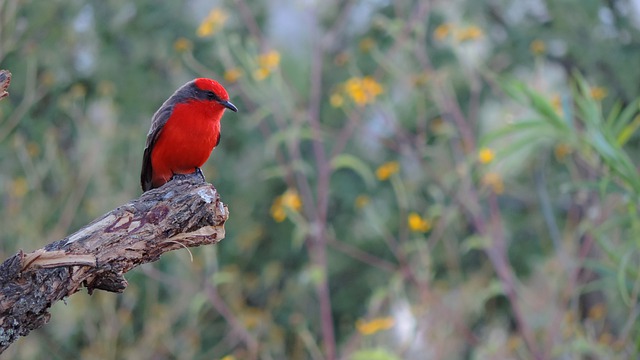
[(186, 212), (5, 80)]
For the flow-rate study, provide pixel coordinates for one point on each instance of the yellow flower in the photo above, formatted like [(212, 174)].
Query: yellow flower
[(33, 149), (106, 88), (598, 93), (232, 75), (288, 200), (556, 102), (469, 33), (19, 187), (212, 23), (417, 223), (371, 86), (514, 342), (229, 357), (261, 74), (182, 45), (47, 79), (605, 339), (291, 199), (269, 60), (442, 31), (485, 155), (420, 79), (277, 211), (387, 169), (78, 90), (597, 311), (437, 125), (561, 151), (362, 201), (366, 44), (363, 90), (252, 317), (375, 325), (494, 182), (336, 100), (267, 63), (538, 47)]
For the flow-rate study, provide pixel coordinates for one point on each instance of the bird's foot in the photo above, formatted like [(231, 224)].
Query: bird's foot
[(196, 175), (199, 172)]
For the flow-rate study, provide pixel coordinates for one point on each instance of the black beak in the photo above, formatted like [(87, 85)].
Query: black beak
[(228, 105)]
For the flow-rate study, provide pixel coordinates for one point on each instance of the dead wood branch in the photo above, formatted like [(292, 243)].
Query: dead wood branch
[(5, 80), (183, 213)]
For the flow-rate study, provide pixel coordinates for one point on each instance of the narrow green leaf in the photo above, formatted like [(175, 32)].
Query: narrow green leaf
[(544, 107), (616, 109), (622, 279), (625, 117), (475, 242), (591, 113), (284, 136), (628, 131), (374, 354), (514, 89), (515, 128), (523, 143), (347, 161), (279, 172)]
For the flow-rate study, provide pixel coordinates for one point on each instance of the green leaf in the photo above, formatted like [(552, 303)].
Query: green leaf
[(627, 131), (614, 114), (625, 117), (223, 277), (256, 117), (522, 143), (544, 107), (316, 274), (494, 289), (475, 242), (514, 89), (285, 136), (300, 231), (374, 354), (601, 144), (516, 128), (622, 279), (279, 172), (355, 164)]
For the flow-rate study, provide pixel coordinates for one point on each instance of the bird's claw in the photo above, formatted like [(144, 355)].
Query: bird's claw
[(199, 172), (196, 174)]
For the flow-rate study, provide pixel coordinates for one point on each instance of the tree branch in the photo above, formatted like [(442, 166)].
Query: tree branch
[(5, 80), (186, 212)]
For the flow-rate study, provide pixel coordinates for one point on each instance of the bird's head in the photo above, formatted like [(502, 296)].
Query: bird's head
[(210, 90)]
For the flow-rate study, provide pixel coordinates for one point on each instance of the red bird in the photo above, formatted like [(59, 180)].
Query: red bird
[(184, 131)]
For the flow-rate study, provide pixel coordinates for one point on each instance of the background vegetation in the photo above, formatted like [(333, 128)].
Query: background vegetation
[(406, 179)]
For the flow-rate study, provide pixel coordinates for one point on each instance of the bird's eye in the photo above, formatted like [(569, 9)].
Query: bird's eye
[(211, 95)]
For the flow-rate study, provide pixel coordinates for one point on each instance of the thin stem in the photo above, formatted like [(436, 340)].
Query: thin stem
[(231, 319), (497, 253), (318, 233), (362, 256)]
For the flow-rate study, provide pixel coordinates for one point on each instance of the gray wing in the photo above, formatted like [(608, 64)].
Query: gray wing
[(157, 123)]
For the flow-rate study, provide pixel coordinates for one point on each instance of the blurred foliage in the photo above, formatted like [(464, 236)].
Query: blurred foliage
[(409, 179)]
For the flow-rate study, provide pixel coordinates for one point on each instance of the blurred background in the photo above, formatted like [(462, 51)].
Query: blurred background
[(406, 179)]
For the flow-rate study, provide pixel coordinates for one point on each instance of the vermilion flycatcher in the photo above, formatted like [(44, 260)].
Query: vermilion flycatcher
[(184, 131)]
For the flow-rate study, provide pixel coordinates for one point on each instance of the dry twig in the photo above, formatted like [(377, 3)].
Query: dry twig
[(5, 80)]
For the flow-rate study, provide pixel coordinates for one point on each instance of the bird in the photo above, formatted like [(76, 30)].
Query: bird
[(184, 131)]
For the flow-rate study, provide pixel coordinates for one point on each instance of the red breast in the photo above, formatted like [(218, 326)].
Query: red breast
[(184, 131)]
